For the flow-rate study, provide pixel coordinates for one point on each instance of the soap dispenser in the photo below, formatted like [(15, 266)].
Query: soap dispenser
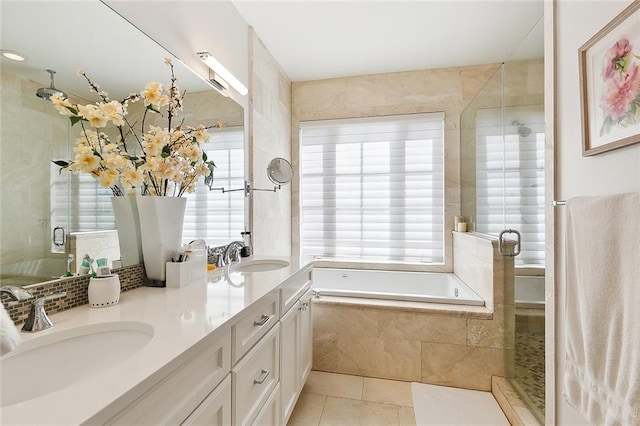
[(246, 239)]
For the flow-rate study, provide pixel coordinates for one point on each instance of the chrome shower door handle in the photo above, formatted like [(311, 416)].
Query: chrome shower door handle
[(59, 236), (516, 249)]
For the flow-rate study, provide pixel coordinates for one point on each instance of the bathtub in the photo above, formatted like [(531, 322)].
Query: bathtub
[(529, 292), (393, 285)]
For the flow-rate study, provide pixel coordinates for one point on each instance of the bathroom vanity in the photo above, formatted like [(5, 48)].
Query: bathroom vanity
[(236, 349)]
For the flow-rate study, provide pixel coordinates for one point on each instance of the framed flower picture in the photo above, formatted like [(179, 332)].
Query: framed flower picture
[(610, 84)]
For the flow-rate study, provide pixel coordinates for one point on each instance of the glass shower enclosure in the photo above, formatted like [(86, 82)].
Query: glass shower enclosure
[(502, 188)]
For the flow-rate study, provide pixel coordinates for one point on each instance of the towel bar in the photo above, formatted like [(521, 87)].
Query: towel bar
[(557, 203)]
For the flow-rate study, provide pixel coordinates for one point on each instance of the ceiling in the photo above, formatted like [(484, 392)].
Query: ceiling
[(55, 44), (309, 39), (314, 40)]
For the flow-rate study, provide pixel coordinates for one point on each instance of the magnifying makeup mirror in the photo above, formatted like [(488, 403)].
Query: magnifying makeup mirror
[(279, 171)]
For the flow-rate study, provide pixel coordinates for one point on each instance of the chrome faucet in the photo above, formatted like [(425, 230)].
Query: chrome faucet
[(16, 293), (218, 255), (232, 252), (38, 319)]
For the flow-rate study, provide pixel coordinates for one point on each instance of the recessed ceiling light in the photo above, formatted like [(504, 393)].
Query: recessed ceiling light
[(14, 56)]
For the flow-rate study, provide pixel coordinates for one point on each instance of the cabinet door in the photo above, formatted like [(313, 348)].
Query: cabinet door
[(306, 339), (215, 409), (289, 359)]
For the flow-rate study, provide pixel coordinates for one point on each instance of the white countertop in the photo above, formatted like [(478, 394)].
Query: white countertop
[(181, 317)]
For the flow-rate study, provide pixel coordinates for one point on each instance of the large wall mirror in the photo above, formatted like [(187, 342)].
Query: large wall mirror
[(46, 215)]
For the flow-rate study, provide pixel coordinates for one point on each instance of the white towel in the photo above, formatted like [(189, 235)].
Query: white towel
[(602, 373), (9, 334)]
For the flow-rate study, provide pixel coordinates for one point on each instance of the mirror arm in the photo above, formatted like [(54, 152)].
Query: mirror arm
[(247, 189), (275, 188)]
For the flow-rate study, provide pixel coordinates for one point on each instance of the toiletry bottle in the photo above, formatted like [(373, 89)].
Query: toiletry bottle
[(85, 267), (246, 238)]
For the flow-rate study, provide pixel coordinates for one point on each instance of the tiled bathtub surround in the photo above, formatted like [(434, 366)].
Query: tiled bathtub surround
[(76, 287), (443, 345)]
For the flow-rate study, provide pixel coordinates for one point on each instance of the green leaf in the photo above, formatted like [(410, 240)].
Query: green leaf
[(151, 108), (73, 110), (75, 118), (61, 163), (166, 151), (204, 156)]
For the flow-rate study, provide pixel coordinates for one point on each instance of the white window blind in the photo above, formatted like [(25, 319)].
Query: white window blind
[(373, 188), (510, 177), (210, 215), (213, 216)]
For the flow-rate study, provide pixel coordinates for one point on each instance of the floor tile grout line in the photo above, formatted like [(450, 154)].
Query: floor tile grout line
[(323, 408)]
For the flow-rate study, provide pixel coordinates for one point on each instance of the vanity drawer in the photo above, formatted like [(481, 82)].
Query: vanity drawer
[(252, 325), (255, 377), (270, 413), (294, 288), (174, 398), (216, 409)]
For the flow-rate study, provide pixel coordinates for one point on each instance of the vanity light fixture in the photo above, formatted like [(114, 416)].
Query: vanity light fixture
[(14, 56), (221, 76)]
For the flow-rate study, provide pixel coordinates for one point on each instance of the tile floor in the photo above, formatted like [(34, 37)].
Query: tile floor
[(339, 399)]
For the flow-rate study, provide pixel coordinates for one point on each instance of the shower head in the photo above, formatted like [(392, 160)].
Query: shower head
[(46, 92), (523, 131)]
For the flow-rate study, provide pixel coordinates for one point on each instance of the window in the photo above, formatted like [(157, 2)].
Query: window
[(213, 216), (510, 177), (373, 188)]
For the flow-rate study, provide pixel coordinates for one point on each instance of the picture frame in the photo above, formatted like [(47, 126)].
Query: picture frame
[(609, 65)]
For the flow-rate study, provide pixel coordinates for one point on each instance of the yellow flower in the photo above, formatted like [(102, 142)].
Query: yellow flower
[(113, 111), (61, 103), (154, 141), (93, 114), (203, 170), (201, 134), (115, 161), (87, 162), (191, 151), (108, 178), (132, 177), (152, 93)]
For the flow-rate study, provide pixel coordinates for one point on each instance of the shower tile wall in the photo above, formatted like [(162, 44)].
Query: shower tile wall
[(32, 133)]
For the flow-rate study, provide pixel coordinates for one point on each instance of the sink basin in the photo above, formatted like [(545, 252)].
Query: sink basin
[(260, 265), (56, 360)]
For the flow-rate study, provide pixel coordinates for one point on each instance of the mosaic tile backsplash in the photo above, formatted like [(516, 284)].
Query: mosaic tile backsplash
[(76, 287)]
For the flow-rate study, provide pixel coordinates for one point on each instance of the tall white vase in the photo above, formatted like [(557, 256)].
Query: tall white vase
[(125, 211), (161, 220)]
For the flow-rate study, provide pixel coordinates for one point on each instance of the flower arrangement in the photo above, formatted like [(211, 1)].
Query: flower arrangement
[(620, 99), (146, 161)]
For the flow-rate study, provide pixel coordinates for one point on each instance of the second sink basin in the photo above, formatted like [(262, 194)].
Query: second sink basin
[(56, 360), (260, 265)]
